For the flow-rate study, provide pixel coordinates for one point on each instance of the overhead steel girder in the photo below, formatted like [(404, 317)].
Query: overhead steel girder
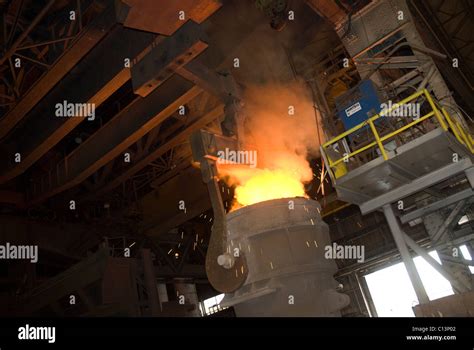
[(202, 72), (460, 78), (120, 133), (87, 40), (157, 66), (173, 52), (182, 137), (209, 80), (136, 120), (93, 80), (163, 16)]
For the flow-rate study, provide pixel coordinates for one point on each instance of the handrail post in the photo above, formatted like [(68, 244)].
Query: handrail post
[(435, 110), (452, 125), (377, 139)]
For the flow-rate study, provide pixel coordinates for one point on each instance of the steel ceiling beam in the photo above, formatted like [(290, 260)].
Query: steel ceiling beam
[(200, 71), (120, 133), (180, 138), (161, 16), (173, 52), (93, 80), (141, 116), (207, 79), (91, 36)]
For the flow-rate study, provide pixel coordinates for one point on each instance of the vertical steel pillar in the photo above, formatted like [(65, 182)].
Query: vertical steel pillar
[(150, 283), (405, 254), (188, 290), (363, 287)]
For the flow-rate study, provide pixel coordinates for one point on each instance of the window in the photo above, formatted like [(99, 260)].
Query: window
[(211, 305), (466, 255), (393, 294)]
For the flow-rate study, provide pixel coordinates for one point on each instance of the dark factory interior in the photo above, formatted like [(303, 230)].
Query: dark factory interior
[(236, 158)]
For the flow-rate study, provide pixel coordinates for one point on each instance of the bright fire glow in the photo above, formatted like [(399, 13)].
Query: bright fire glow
[(265, 184), (281, 140), (284, 179)]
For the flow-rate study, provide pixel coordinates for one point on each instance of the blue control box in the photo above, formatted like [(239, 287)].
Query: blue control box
[(358, 104)]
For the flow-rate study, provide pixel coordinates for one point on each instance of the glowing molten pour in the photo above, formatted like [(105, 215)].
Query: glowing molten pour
[(253, 185), (281, 128), (268, 184)]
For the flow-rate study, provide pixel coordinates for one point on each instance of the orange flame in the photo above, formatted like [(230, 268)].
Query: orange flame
[(254, 185), (282, 142)]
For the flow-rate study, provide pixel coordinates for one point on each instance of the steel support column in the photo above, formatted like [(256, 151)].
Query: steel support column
[(398, 236), (150, 283)]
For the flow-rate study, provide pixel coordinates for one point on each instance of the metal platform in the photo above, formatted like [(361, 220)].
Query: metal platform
[(444, 154), (411, 167)]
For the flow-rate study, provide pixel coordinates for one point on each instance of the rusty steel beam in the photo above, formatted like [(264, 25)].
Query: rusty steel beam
[(163, 16), (173, 52), (208, 79), (92, 81), (114, 138), (91, 36), (202, 72), (182, 137), (143, 115)]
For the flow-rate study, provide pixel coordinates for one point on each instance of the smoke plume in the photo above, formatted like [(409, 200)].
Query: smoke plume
[(281, 127)]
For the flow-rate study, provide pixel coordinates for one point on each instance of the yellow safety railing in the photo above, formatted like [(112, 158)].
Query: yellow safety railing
[(443, 118)]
